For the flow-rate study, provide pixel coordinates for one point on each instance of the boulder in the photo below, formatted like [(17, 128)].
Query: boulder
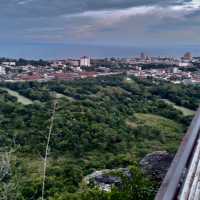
[(105, 179), (156, 165)]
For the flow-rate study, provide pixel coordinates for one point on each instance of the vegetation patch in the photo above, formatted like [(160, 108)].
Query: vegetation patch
[(158, 122), (59, 96), (20, 98), (131, 124), (109, 124), (185, 111)]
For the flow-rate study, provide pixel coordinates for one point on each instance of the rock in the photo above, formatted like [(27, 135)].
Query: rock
[(156, 164), (105, 179), (108, 179)]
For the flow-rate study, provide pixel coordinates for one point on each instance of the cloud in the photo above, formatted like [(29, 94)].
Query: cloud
[(140, 10), (165, 11), (101, 19), (23, 2), (98, 21)]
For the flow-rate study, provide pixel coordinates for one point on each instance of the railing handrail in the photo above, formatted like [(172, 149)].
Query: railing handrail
[(169, 186)]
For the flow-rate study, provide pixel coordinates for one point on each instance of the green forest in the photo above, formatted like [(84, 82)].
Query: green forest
[(102, 123)]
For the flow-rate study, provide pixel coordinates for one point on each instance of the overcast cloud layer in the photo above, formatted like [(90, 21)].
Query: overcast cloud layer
[(138, 23)]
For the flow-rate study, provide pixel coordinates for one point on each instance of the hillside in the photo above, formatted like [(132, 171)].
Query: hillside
[(103, 123)]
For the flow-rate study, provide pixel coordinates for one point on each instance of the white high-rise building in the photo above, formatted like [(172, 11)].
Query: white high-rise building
[(2, 70), (85, 61)]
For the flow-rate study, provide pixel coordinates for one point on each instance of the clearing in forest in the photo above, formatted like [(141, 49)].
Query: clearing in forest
[(20, 98)]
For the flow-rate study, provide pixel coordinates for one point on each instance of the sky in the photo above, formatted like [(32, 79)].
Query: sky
[(98, 28)]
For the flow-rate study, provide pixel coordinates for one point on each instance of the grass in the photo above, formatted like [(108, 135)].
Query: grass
[(185, 111), (128, 80), (168, 139), (20, 98), (158, 122), (131, 124), (59, 95)]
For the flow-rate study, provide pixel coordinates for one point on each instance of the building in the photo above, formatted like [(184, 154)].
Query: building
[(187, 56), (142, 56), (9, 64), (85, 61), (2, 70), (100, 62), (184, 64), (175, 70), (73, 62), (58, 63)]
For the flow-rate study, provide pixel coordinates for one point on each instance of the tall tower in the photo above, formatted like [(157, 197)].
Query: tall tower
[(142, 56), (85, 61), (187, 56)]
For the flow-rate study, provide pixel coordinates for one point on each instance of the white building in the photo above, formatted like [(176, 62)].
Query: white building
[(175, 70), (2, 70), (184, 64), (11, 64), (57, 63), (85, 61)]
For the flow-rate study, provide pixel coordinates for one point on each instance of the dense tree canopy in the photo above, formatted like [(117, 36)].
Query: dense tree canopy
[(102, 123)]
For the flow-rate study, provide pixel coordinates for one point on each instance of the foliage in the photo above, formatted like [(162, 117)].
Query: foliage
[(90, 133)]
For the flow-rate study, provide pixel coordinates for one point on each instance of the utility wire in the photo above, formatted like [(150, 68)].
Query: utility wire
[(47, 146)]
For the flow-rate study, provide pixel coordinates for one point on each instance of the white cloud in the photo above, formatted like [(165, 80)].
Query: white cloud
[(115, 13), (196, 2), (140, 10), (23, 2), (108, 18), (167, 11)]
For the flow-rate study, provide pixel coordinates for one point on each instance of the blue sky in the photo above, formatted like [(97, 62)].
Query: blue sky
[(62, 28)]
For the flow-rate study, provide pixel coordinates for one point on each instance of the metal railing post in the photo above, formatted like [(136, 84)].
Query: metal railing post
[(170, 184)]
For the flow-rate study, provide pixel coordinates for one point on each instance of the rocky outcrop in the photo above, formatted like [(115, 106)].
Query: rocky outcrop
[(156, 164), (106, 179)]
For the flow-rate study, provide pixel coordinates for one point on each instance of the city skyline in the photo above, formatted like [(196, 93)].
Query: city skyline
[(55, 29)]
